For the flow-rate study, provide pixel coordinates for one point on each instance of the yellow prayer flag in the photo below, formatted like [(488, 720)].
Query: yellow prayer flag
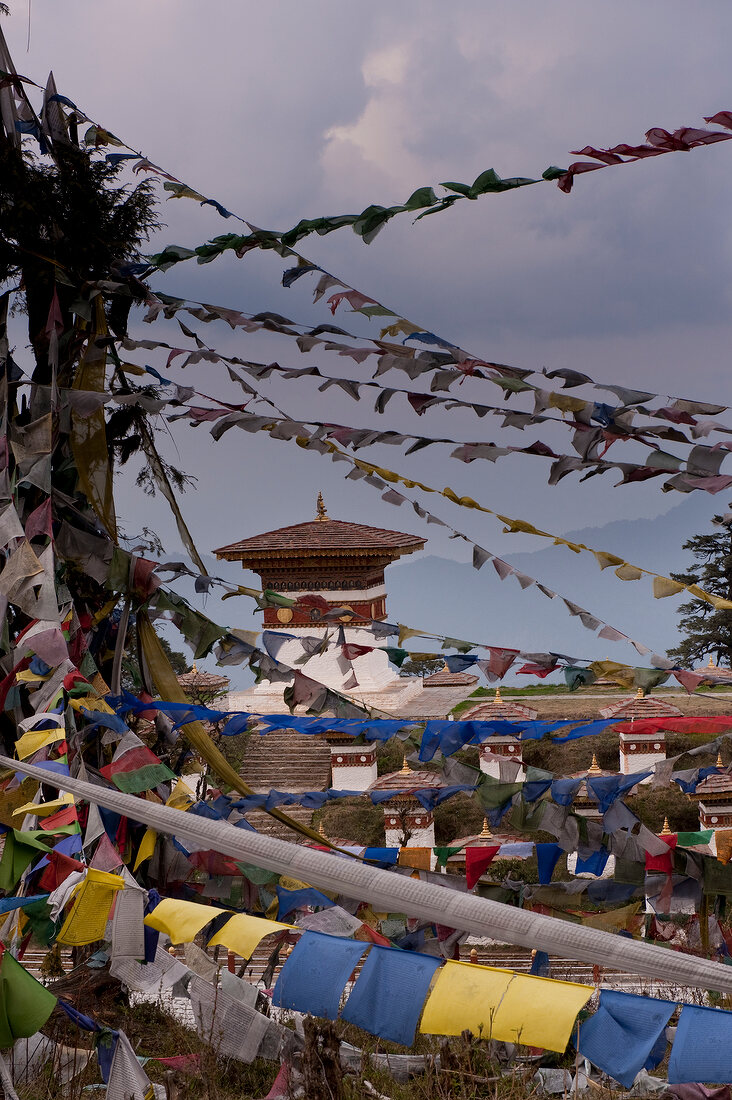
[(565, 403), (400, 326), (181, 920), (242, 933), (605, 560), (519, 526), (406, 632), (34, 740), (723, 841), (719, 603), (147, 847), (614, 920), (43, 809), (626, 572), (621, 674), (86, 921), (503, 1005), (664, 586), (180, 797), (89, 703), (28, 677), (419, 858)]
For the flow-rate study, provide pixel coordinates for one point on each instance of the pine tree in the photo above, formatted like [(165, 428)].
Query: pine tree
[(706, 630)]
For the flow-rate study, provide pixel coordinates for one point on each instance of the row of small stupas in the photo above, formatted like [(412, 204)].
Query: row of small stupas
[(343, 564)]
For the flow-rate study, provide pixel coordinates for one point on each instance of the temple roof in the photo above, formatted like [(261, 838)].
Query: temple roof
[(445, 678), (715, 673), (196, 681), (717, 784), (322, 536), (640, 706), (407, 780), (498, 709)]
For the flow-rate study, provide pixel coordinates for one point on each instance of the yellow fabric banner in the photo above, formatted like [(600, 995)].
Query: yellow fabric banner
[(34, 740), (89, 433), (503, 1005), (146, 849), (44, 809), (87, 919), (180, 799), (723, 841), (627, 918), (420, 858), (181, 920), (242, 933)]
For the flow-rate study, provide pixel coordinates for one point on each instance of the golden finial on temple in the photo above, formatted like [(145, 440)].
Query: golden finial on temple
[(666, 830), (485, 833), (406, 770), (322, 514), (498, 696), (594, 768)]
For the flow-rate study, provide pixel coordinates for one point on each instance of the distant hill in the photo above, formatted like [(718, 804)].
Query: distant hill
[(451, 597)]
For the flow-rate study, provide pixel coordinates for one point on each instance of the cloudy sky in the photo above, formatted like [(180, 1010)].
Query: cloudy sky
[(289, 109)]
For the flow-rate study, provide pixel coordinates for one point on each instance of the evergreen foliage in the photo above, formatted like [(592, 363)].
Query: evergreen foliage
[(705, 629)]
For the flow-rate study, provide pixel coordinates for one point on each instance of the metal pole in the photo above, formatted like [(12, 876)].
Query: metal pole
[(396, 893)]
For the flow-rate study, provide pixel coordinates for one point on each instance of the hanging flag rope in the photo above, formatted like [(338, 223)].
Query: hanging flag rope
[(658, 142)]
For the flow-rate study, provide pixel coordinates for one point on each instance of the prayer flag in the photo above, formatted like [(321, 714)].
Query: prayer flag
[(136, 770), (242, 933), (314, 976), (620, 1036), (476, 862), (86, 920), (378, 1003), (25, 1004), (503, 1005), (181, 920), (701, 1048)]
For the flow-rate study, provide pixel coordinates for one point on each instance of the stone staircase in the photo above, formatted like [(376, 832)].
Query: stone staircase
[(285, 761), (270, 826)]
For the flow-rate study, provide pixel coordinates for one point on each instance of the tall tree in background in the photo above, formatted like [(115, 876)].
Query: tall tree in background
[(706, 630)]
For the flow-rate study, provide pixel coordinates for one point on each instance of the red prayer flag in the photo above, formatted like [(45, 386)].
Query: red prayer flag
[(59, 868), (663, 863), (64, 817), (476, 861)]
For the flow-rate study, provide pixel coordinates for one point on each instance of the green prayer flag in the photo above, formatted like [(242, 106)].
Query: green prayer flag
[(629, 872), (527, 815), (443, 854), (688, 840), (257, 875), (492, 794), (25, 1004), (18, 854), (717, 877), (41, 925)]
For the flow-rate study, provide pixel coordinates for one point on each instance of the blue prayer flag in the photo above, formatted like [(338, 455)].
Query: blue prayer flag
[(378, 1003), (621, 1035), (315, 975), (701, 1050), (298, 899), (547, 856), (594, 864)]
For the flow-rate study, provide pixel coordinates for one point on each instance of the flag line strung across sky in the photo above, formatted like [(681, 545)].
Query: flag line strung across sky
[(662, 142)]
